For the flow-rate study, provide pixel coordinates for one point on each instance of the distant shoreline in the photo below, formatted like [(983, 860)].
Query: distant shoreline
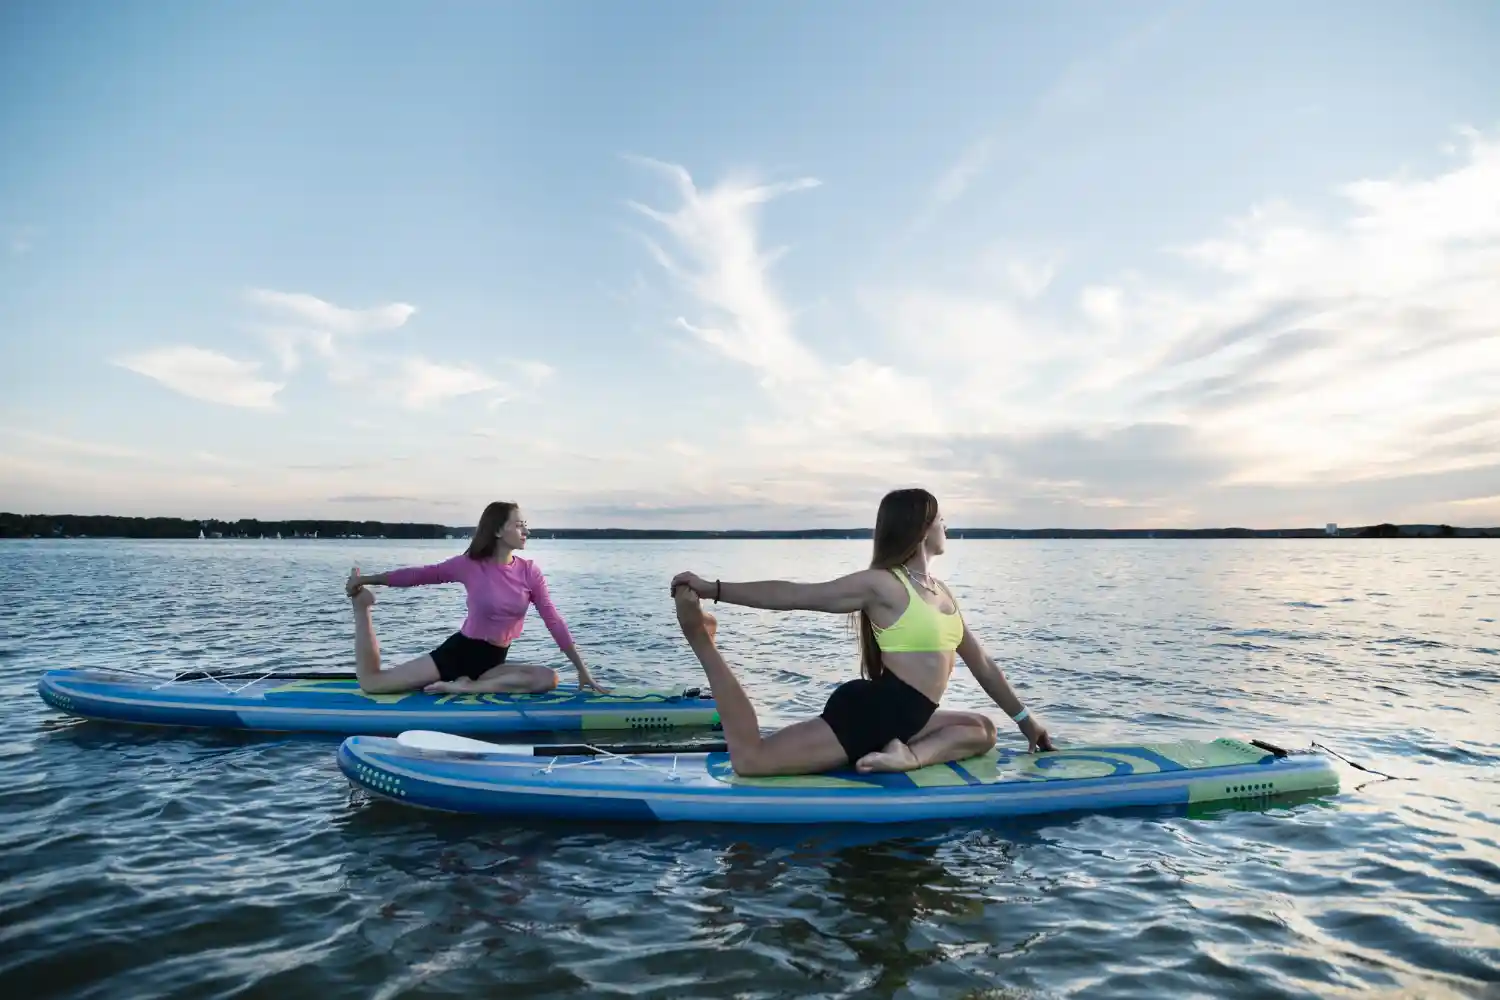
[(109, 526)]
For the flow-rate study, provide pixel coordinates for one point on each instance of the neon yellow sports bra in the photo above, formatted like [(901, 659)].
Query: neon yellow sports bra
[(921, 628)]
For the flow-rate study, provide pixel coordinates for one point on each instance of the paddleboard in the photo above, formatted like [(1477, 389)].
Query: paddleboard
[(335, 704), (437, 771)]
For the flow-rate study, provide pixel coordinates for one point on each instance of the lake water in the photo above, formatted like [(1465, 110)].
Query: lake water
[(142, 863)]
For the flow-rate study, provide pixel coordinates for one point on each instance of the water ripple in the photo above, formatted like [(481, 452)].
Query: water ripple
[(143, 862)]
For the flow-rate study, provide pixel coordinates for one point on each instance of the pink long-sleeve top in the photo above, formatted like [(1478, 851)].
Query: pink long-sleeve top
[(498, 595)]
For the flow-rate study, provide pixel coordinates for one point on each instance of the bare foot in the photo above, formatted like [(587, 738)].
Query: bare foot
[(691, 616), (460, 686), (364, 597), (896, 757)]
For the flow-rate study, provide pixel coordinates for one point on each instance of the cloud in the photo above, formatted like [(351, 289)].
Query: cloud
[(1471, 493), (424, 383), (1321, 358), (1290, 324), (377, 498), (1139, 461), (1246, 383), (537, 372), (322, 328), (306, 323), (956, 179), (333, 466), (206, 375), (1078, 87), (772, 514), (726, 271), (54, 443), (1029, 277), (315, 313), (717, 260), (1272, 319), (1401, 294)]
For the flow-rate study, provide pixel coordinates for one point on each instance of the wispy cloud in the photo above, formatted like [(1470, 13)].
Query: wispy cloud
[(1076, 88), (319, 314), (303, 322), (722, 266), (955, 181), (716, 258), (1027, 273), (536, 372), (330, 331), (55, 443), (206, 375), (424, 383)]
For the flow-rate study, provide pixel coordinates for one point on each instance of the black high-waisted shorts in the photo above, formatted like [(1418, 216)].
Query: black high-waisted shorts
[(461, 656), (865, 715)]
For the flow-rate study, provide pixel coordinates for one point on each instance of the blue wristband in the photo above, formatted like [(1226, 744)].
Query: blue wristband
[(1021, 716)]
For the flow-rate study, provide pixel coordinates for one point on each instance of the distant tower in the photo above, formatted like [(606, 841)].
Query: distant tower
[(1332, 530)]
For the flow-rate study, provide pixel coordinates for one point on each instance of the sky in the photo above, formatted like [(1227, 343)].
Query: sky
[(709, 265)]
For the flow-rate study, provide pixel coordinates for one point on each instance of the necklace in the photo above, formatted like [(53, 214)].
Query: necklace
[(923, 580)]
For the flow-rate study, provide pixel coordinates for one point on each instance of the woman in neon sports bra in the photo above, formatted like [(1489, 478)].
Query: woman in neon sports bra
[(910, 629)]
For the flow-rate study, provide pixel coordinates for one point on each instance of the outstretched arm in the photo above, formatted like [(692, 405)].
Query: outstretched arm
[(842, 596), (447, 571), (990, 677)]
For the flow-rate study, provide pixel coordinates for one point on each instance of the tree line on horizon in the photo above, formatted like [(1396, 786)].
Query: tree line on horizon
[(113, 526)]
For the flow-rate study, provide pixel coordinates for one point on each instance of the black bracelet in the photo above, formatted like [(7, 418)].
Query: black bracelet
[(717, 587)]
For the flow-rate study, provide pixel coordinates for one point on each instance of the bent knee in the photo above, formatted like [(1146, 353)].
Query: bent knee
[(747, 766), (979, 732), (528, 678), (988, 725), (752, 765)]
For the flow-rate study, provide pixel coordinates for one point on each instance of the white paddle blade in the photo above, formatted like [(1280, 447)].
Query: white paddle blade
[(426, 739)]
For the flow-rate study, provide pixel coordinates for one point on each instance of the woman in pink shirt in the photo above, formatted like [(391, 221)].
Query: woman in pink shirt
[(501, 585)]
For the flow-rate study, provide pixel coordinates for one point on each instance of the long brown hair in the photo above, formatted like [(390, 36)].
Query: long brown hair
[(900, 525), (486, 537)]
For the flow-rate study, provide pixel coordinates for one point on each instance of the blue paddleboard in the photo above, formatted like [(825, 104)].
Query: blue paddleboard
[(335, 704), (521, 780)]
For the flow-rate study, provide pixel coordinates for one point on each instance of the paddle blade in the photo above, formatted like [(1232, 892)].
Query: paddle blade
[(426, 739)]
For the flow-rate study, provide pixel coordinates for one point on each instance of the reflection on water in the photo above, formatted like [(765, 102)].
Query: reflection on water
[(137, 862)]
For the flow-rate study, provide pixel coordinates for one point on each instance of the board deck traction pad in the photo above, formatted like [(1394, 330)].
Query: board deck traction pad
[(999, 765), (338, 704)]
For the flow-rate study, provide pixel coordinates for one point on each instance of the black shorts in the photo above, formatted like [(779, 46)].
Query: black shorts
[(865, 715), (461, 656)]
